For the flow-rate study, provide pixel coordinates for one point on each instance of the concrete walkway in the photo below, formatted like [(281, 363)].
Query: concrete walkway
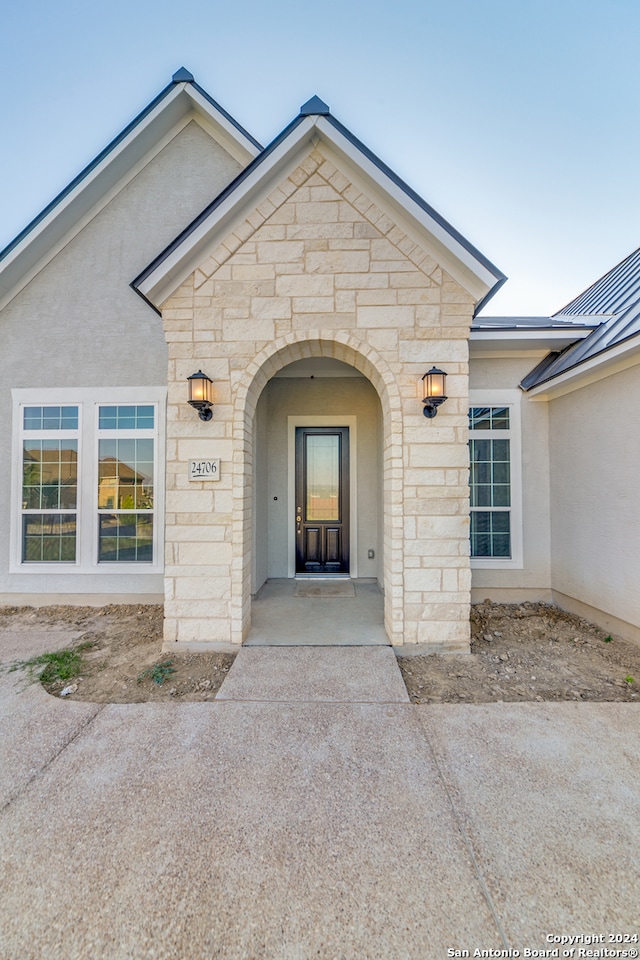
[(311, 812)]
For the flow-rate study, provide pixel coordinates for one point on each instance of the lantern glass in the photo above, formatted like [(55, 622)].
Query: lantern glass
[(434, 385), (200, 388)]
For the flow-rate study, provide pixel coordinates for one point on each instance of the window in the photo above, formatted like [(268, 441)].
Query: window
[(494, 454), (87, 475), (49, 456)]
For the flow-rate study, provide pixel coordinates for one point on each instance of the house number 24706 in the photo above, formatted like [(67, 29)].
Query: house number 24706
[(204, 469)]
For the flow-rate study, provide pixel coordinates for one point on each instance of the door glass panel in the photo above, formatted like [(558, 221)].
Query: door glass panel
[(323, 478)]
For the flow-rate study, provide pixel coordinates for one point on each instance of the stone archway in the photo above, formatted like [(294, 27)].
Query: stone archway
[(348, 349)]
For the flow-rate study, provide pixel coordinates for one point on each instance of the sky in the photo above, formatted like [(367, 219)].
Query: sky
[(516, 119)]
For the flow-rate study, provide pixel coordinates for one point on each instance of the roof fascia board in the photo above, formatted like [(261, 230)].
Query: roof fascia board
[(111, 170), (172, 268), (615, 359), (236, 141)]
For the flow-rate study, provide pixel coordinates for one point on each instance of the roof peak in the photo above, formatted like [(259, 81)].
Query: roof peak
[(313, 107), (182, 76)]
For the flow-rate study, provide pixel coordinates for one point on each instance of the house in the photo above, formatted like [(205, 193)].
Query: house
[(306, 292)]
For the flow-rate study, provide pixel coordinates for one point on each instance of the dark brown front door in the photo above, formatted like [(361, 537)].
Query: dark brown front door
[(322, 500)]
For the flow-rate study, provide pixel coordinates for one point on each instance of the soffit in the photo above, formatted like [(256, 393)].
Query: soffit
[(523, 337)]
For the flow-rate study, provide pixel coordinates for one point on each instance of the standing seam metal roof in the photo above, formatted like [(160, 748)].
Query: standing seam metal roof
[(614, 299)]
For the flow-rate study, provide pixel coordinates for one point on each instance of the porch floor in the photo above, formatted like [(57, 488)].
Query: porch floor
[(281, 619)]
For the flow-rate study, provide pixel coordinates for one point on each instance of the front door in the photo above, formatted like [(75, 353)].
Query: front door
[(322, 500)]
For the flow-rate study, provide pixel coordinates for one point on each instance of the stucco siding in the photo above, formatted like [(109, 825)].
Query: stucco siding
[(78, 323), (595, 518)]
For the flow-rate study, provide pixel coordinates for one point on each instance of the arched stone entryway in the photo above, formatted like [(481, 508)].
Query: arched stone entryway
[(348, 349)]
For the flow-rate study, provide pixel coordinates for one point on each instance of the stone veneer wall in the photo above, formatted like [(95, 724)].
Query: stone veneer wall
[(319, 270)]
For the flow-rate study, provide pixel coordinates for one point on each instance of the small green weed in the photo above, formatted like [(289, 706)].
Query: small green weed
[(629, 678), (159, 672), (607, 639), (49, 667)]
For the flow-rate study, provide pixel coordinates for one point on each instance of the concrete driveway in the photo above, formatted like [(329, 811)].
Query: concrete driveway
[(312, 812)]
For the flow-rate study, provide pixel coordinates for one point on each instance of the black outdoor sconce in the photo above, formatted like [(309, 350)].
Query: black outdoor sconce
[(201, 394), (434, 395)]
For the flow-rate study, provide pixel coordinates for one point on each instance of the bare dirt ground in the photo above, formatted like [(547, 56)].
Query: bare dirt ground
[(520, 652), (123, 645), (529, 651)]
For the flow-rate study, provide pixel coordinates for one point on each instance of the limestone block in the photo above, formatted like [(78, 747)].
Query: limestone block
[(443, 528), (320, 231), (198, 609), (391, 266), (361, 281), (421, 580), (202, 448), (320, 191), (282, 251), (447, 632), (338, 181), (169, 629), (285, 214), (439, 355), (269, 231), (327, 212), (209, 629), (272, 308), (198, 501), (382, 340), (313, 304), (338, 261), (388, 316), (207, 529), (247, 330), (366, 230), (383, 250), (377, 297), (201, 587), (431, 454), (345, 302), (411, 278), (318, 285)]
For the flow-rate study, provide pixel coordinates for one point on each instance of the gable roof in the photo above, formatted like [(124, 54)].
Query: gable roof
[(180, 101), (316, 124), (613, 303)]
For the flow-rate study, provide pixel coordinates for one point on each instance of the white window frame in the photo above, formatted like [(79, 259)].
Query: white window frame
[(511, 399), (88, 400)]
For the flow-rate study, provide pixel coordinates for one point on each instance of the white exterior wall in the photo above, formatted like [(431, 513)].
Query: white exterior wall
[(78, 323), (595, 517), (533, 580)]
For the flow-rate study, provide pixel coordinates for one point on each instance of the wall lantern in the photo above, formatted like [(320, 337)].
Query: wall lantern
[(201, 394), (434, 395)]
